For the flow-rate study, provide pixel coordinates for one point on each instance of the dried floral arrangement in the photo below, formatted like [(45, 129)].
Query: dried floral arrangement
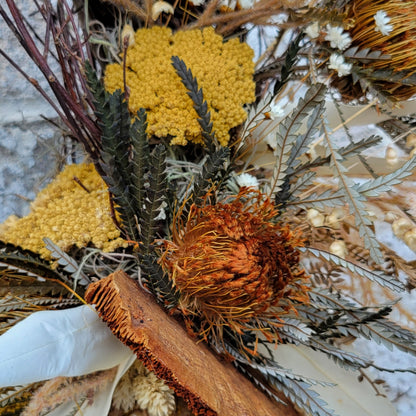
[(215, 225)]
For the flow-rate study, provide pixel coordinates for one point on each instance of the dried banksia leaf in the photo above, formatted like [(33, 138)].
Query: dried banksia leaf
[(208, 385)]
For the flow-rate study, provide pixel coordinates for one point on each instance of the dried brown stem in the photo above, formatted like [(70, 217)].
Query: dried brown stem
[(229, 22), (70, 89), (130, 6)]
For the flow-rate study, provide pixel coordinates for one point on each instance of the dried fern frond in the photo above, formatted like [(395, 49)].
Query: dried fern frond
[(14, 399), (133, 7), (374, 187), (383, 280), (140, 159), (20, 283), (114, 120), (29, 283), (290, 60), (367, 322), (30, 263), (290, 144), (14, 309), (63, 389), (137, 179), (32, 303)]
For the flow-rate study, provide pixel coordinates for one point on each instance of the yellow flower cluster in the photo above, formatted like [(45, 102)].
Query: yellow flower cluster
[(68, 213), (224, 70)]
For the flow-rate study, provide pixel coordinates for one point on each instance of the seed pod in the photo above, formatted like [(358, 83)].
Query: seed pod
[(315, 218), (401, 226), (338, 248)]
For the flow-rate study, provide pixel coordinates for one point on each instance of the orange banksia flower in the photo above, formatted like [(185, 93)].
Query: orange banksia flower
[(387, 26), (235, 266), (399, 39)]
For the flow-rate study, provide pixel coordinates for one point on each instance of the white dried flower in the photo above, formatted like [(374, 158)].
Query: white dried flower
[(245, 179), (337, 38), (123, 394), (312, 31), (315, 217), (161, 7), (197, 2), (338, 248), (333, 219), (276, 111), (382, 23), (337, 63), (153, 395)]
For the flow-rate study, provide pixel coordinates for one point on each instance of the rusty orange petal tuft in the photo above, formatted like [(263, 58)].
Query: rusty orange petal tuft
[(233, 264)]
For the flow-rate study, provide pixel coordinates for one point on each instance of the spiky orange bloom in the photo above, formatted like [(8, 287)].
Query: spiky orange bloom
[(235, 266), (400, 43)]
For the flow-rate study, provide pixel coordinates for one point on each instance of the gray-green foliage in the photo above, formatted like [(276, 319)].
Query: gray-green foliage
[(292, 175), (290, 142), (328, 316), (135, 176)]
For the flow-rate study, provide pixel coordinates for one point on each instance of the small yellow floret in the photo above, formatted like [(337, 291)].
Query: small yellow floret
[(224, 70), (68, 214)]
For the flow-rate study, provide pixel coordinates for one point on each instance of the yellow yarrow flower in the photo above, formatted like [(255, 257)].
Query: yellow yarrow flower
[(224, 70), (68, 214)]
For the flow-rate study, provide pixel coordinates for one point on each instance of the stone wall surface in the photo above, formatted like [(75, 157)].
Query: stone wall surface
[(26, 152)]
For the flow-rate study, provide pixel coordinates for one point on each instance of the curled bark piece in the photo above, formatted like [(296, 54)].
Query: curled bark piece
[(208, 385)]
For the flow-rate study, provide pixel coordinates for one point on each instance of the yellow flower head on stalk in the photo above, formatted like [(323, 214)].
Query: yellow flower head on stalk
[(72, 210), (233, 266), (224, 70), (390, 27)]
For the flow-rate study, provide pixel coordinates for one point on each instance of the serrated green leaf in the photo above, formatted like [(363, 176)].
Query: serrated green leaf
[(28, 262), (374, 187), (349, 396), (383, 280), (287, 147)]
